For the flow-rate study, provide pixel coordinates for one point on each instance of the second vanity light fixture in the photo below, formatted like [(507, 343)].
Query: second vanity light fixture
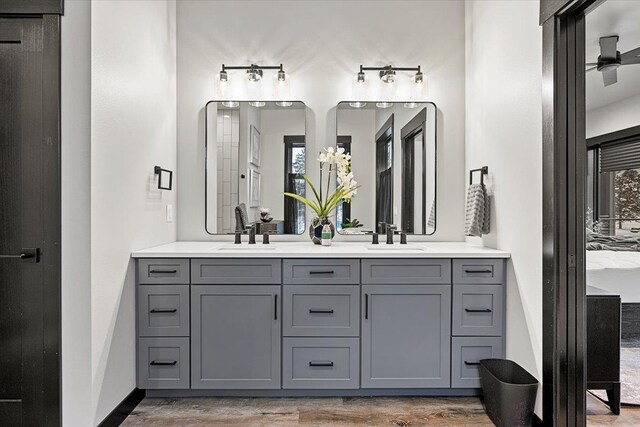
[(388, 76), (254, 74)]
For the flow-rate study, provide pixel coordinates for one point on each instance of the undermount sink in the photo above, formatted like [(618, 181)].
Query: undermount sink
[(385, 247), (246, 247)]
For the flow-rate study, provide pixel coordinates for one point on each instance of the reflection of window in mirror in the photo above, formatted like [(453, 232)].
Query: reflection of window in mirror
[(294, 164), (343, 211)]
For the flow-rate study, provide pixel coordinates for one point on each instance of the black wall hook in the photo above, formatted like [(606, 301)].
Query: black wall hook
[(483, 171)]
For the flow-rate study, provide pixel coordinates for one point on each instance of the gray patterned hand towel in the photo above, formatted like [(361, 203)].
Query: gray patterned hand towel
[(478, 211)]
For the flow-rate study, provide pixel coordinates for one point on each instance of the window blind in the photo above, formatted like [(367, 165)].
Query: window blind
[(617, 157)]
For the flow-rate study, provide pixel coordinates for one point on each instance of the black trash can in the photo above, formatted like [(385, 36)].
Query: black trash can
[(509, 392)]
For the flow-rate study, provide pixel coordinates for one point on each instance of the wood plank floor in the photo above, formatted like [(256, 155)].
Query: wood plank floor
[(339, 412), (335, 412)]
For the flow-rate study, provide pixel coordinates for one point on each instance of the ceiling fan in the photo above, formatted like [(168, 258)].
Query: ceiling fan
[(610, 59)]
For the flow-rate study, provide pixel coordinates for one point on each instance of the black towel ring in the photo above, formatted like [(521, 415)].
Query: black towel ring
[(483, 171)]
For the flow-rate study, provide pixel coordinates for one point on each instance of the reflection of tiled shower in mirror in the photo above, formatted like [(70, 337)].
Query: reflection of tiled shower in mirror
[(227, 168)]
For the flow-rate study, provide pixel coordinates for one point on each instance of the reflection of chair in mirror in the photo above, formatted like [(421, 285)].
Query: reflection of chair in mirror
[(242, 219)]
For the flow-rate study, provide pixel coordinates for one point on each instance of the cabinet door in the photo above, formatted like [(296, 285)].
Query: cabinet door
[(235, 337), (406, 341)]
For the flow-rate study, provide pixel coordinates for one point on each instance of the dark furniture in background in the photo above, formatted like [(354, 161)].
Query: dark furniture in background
[(603, 344), (273, 227)]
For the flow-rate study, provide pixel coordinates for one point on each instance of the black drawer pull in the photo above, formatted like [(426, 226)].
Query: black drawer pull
[(321, 272), (163, 271), (320, 311), (321, 364), (157, 363), (471, 363), (477, 310), (478, 271), (163, 310)]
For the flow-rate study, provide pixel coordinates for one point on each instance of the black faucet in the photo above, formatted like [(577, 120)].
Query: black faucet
[(390, 230), (238, 238), (252, 234)]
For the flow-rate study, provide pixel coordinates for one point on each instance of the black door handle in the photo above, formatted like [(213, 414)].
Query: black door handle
[(477, 310), (320, 311), (27, 254), (321, 272), (159, 363), (163, 271), (322, 364), (471, 363), (478, 271), (163, 310), (366, 306), (275, 311)]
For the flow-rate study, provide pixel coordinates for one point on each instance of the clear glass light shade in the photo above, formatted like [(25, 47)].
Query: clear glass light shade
[(411, 105), (221, 87), (418, 90), (284, 103), (384, 104), (358, 93), (254, 89), (257, 103), (231, 104), (281, 88)]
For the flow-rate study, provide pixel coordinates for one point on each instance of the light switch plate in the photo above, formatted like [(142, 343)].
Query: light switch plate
[(169, 213)]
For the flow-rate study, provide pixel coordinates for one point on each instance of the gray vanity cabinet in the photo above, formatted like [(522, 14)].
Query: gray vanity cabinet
[(235, 337), (278, 327), (406, 337)]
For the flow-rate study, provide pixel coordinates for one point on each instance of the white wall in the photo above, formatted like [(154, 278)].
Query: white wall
[(321, 45), (613, 117), (504, 132), (133, 125), (76, 213)]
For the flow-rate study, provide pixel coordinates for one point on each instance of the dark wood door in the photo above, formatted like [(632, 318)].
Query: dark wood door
[(29, 222)]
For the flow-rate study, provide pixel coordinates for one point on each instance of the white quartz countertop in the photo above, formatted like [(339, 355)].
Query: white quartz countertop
[(309, 250)]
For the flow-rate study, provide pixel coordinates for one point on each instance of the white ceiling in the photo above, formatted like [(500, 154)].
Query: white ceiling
[(613, 17)]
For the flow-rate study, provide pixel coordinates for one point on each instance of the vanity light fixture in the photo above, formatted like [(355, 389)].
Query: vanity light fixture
[(254, 71), (231, 104), (257, 103), (410, 105), (284, 103), (384, 104), (388, 73), (357, 104)]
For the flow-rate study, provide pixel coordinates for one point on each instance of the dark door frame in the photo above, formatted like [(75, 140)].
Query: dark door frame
[(384, 135), (415, 126), (564, 179), (47, 386)]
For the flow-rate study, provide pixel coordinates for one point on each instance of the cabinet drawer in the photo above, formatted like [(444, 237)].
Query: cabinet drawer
[(236, 271), (163, 310), (322, 271), (163, 271), (466, 355), (321, 310), (478, 310), (163, 363), (321, 363), (478, 271), (406, 271)]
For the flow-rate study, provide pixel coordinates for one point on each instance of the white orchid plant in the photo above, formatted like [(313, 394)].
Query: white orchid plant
[(347, 187)]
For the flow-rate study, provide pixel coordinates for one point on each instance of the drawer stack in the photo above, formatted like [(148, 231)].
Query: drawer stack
[(477, 318), (321, 324), (163, 323)]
